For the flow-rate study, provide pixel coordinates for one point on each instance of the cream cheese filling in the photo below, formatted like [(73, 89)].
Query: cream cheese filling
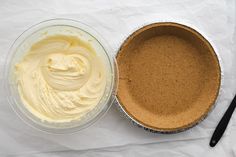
[(60, 79)]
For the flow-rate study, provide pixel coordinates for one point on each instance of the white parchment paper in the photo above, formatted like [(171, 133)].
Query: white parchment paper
[(115, 20)]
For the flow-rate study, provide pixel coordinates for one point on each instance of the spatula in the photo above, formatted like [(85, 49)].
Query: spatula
[(222, 125)]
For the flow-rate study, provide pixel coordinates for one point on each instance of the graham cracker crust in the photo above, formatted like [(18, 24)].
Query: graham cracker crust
[(169, 76)]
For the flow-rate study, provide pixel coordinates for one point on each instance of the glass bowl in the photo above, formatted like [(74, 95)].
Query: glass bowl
[(59, 27)]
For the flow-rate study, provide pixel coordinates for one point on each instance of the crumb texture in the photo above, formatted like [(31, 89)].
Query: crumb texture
[(169, 76)]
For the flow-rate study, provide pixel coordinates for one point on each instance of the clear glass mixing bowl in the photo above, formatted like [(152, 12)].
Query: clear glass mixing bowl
[(63, 27)]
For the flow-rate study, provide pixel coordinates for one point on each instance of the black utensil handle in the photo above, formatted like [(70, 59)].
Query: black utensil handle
[(221, 127)]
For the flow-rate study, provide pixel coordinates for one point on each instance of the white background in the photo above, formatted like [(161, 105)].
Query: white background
[(113, 135)]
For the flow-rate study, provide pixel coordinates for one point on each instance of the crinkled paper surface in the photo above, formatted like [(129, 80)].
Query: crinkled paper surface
[(113, 135)]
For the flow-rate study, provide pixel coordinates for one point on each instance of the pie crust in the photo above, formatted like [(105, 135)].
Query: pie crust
[(169, 77)]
